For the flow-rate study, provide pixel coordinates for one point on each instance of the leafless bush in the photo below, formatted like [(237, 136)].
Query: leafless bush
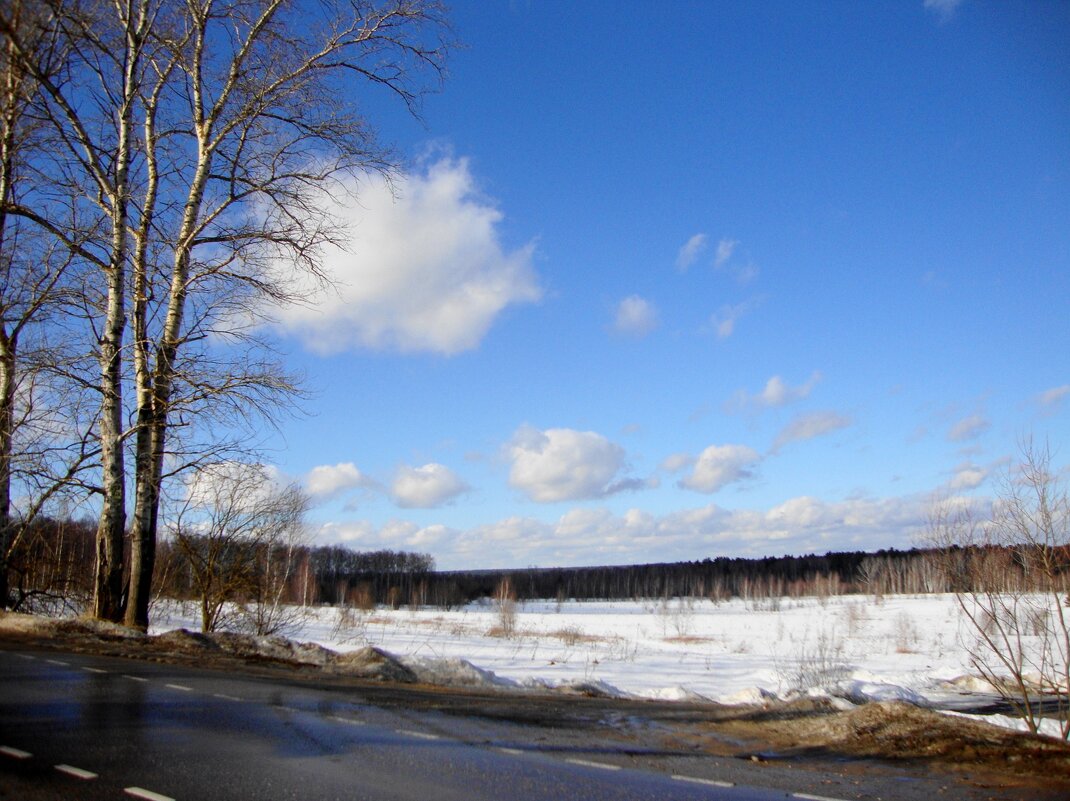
[(819, 666), (505, 605), (906, 634), (678, 616), (238, 533), (570, 636), (1012, 572), (856, 618), (351, 625)]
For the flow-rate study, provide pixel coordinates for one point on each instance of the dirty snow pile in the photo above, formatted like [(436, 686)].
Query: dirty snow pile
[(851, 649)]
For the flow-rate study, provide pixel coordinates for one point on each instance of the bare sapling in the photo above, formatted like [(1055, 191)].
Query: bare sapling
[(1011, 572)]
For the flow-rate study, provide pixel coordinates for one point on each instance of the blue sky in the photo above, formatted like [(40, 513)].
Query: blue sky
[(675, 280)]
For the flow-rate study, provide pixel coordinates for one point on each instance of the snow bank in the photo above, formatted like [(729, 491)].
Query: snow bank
[(849, 649)]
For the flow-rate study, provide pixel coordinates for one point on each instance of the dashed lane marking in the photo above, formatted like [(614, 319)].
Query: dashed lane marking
[(148, 795), (181, 687), (350, 721), (25, 656), (588, 764), (512, 751), (93, 670), (708, 782), (225, 697), (14, 753), (78, 773), (135, 678), (59, 662), (419, 734), (809, 797)]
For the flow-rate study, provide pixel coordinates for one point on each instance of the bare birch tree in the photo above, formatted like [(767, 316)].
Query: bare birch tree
[(259, 109), (207, 134), (44, 447)]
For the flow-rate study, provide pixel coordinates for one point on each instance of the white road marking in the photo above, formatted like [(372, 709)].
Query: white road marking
[(135, 678), (78, 773), (512, 751), (25, 656), (588, 764), (181, 687), (709, 782), (420, 734), (809, 797), (350, 721), (93, 670), (14, 753), (226, 697), (148, 795), (58, 662)]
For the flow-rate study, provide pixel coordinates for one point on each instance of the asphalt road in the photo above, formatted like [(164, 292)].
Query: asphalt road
[(93, 727)]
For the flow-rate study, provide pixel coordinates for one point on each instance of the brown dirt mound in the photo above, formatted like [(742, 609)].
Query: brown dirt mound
[(899, 731), (371, 663)]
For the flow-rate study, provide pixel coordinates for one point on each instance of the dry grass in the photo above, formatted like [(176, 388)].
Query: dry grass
[(570, 635)]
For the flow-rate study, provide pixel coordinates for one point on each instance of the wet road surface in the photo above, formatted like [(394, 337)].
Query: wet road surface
[(94, 727)]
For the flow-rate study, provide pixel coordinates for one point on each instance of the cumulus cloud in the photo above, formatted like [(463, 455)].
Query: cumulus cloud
[(967, 476), (725, 249), (561, 464), (797, 525), (425, 270), (721, 465), (426, 487), (776, 393), (396, 534), (691, 250), (328, 481), (240, 484), (635, 317), (969, 428), (809, 426)]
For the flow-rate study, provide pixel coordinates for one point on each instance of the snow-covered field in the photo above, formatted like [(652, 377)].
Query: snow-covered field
[(850, 648)]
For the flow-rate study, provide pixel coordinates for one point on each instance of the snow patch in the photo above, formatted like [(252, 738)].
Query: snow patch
[(455, 673)]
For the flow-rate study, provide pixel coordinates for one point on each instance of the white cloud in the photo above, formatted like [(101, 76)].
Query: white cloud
[(968, 428), (676, 462), (747, 274), (597, 536), (636, 317), (426, 487), (968, 476), (561, 464), (397, 534), (1051, 400), (720, 465), (328, 481), (424, 271), (724, 321), (725, 248), (691, 250), (776, 393), (809, 426), (944, 9)]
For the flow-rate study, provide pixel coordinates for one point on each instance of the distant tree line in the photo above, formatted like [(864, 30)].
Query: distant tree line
[(884, 572), (52, 565)]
